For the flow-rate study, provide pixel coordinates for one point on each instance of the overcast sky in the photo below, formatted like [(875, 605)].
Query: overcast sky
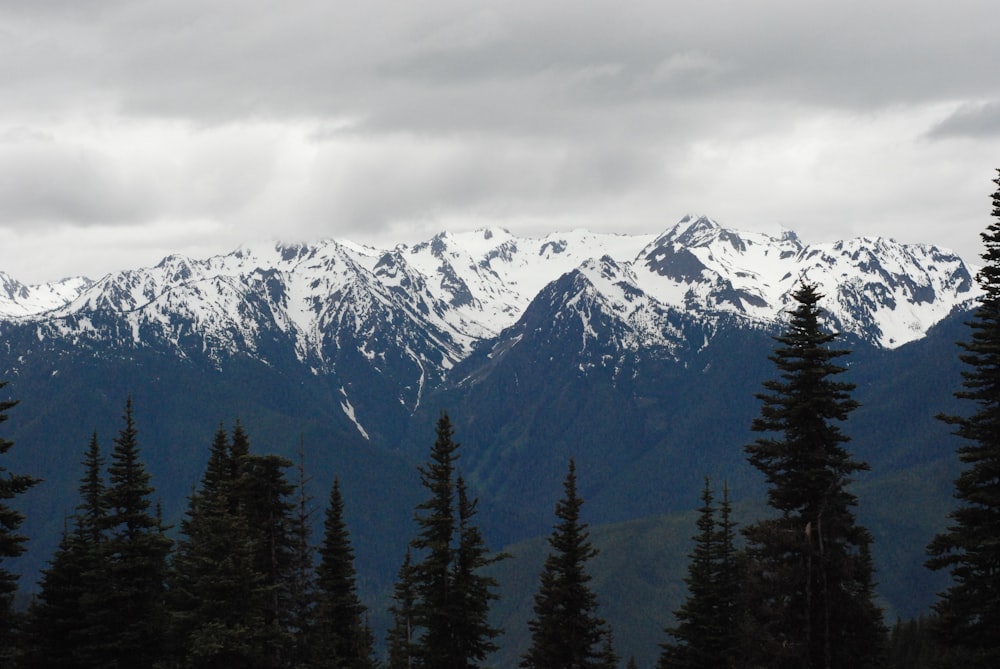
[(131, 129)]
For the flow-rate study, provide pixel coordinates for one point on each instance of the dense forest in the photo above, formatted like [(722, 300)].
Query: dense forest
[(241, 581)]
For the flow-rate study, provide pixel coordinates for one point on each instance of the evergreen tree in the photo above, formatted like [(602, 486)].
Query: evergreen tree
[(706, 631), (472, 590), (400, 639), (302, 579), (566, 632), (240, 593), (89, 551), (451, 599), (812, 569), (212, 579), (730, 583), (609, 656), (55, 617), (342, 638), (434, 610), (969, 610), (11, 542), (266, 508), (239, 449), (59, 619), (92, 512), (135, 559)]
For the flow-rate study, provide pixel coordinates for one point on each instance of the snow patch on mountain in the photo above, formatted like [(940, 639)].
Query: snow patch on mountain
[(348, 410), (18, 300)]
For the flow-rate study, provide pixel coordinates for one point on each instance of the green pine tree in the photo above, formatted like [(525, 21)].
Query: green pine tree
[(566, 632), (451, 598), (302, 591), (54, 619), (609, 656), (813, 599), (212, 579), (434, 610), (730, 583), (92, 512), (12, 543), (89, 550), (342, 638), (267, 509), (968, 611), (59, 619), (472, 590), (705, 636), (134, 557)]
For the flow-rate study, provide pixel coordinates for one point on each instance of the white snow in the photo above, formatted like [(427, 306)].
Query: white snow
[(460, 288), (349, 411)]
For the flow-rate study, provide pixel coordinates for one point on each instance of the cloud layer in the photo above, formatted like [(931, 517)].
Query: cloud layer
[(199, 126)]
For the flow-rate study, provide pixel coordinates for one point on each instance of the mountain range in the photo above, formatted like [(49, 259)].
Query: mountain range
[(638, 355)]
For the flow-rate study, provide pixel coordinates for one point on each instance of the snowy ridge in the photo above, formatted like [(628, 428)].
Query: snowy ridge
[(884, 292), (18, 300), (415, 312), (646, 321)]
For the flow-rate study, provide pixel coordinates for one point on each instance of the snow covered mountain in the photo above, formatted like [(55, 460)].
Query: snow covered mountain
[(19, 300), (882, 291), (472, 285), (410, 314)]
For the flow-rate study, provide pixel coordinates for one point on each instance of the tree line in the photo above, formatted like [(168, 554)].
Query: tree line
[(242, 586)]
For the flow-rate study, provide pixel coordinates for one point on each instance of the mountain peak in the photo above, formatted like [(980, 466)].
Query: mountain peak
[(694, 230)]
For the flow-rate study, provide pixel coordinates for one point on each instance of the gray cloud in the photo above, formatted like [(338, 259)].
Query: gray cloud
[(44, 183), (260, 59), (979, 119), (256, 118), (49, 180)]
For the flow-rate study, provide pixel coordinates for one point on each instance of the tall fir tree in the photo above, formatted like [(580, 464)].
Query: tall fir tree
[(473, 591), (92, 523), (12, 543), (302, 591), (212, 579), (54, 618), (341, 638), (730, 580), (566, 632), (968, 611), (706, 633), (135, 559), (92, 511), (60, 618), (609, 655), (435, 517), (813, 597), (267, 508), (451, 598)]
